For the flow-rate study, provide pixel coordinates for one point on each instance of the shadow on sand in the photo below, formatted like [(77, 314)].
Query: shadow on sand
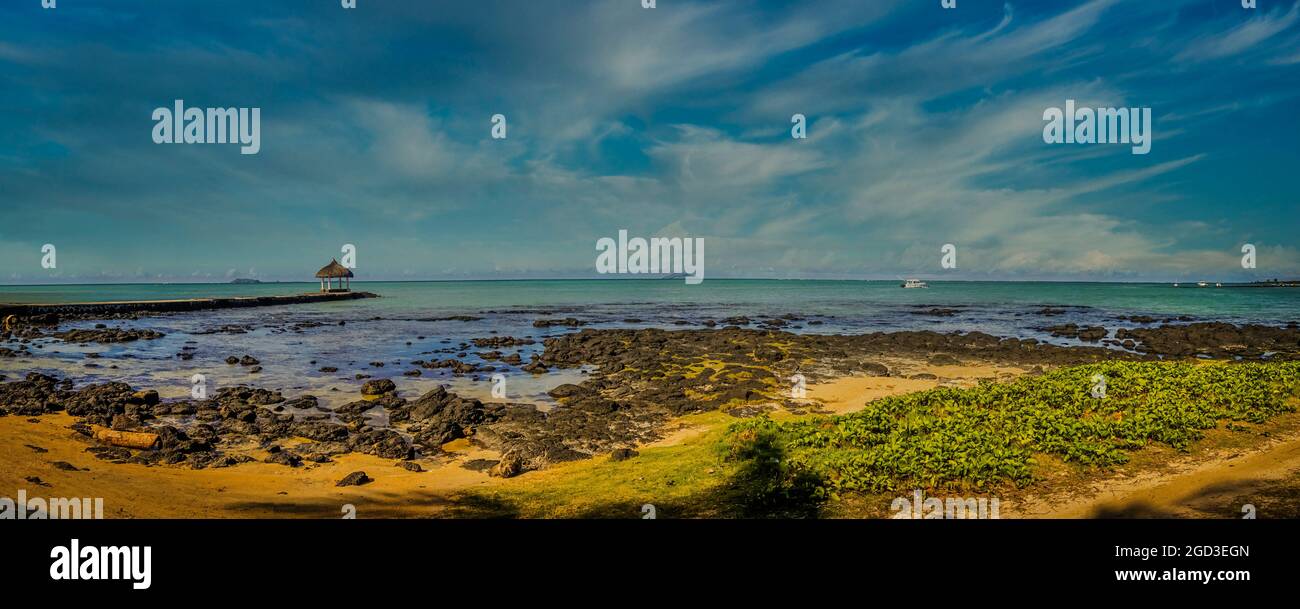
[(1268, 498), (760, 488)]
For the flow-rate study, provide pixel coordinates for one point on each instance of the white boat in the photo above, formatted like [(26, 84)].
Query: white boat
[(1218, 285), (1175, 285), (1202, 284), (914, 283)]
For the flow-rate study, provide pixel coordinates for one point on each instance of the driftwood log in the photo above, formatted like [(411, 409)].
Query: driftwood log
[(127, 439)]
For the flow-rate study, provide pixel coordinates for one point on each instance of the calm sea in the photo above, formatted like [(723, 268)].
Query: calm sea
[(403, 325)]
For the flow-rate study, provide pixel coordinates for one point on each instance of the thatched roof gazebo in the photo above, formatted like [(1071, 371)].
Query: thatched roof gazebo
[(333, 271)]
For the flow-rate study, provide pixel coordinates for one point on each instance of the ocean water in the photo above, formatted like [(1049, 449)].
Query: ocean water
[(293, 342)]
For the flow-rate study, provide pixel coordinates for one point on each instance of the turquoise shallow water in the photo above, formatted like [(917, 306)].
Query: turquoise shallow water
[(294, 342), (846, 298)]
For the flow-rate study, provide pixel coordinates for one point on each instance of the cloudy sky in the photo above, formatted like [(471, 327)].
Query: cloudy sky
[(924, 128)]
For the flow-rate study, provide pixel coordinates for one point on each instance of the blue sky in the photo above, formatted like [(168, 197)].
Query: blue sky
[(925, 128)]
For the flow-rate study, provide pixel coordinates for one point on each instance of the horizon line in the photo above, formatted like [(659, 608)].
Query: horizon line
[(614, 279)]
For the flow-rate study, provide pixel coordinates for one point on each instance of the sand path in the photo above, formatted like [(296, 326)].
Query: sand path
[(1195, 486)]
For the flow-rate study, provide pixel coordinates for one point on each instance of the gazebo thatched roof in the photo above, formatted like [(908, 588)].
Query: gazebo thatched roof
[(334, 270)]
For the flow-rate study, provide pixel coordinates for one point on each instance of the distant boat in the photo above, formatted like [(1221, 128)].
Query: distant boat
[(1218, 285), (1202, 284), (1175, 285), (914, 283)]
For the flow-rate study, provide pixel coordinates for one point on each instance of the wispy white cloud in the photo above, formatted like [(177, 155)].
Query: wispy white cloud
[(673, 119), (1247, 36)]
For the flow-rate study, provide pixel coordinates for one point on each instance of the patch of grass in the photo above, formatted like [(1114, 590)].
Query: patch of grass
[(695, 478), (990, 434), (681, 480)]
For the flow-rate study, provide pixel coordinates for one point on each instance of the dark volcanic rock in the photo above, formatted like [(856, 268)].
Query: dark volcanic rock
[(378, 387), (936, 312), (509, 466), (1216, 339), (1089, 333), (354, 479), (442, 417), (568, 390), (943, 359), (320, 431), (497, 342), (874, 369), (242, 394), (479, 465), (35, 395), (111, 335), (302, 402), (568, 322), (284, 457), (456, 366), (535, 367), (384, 443), (622, 454), (356, 408)]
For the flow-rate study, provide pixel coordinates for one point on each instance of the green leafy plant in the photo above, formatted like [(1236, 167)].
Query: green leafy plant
[(964, 438)]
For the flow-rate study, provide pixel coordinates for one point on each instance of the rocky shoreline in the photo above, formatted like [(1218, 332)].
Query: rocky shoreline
[(640, 380), (46, 314)]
